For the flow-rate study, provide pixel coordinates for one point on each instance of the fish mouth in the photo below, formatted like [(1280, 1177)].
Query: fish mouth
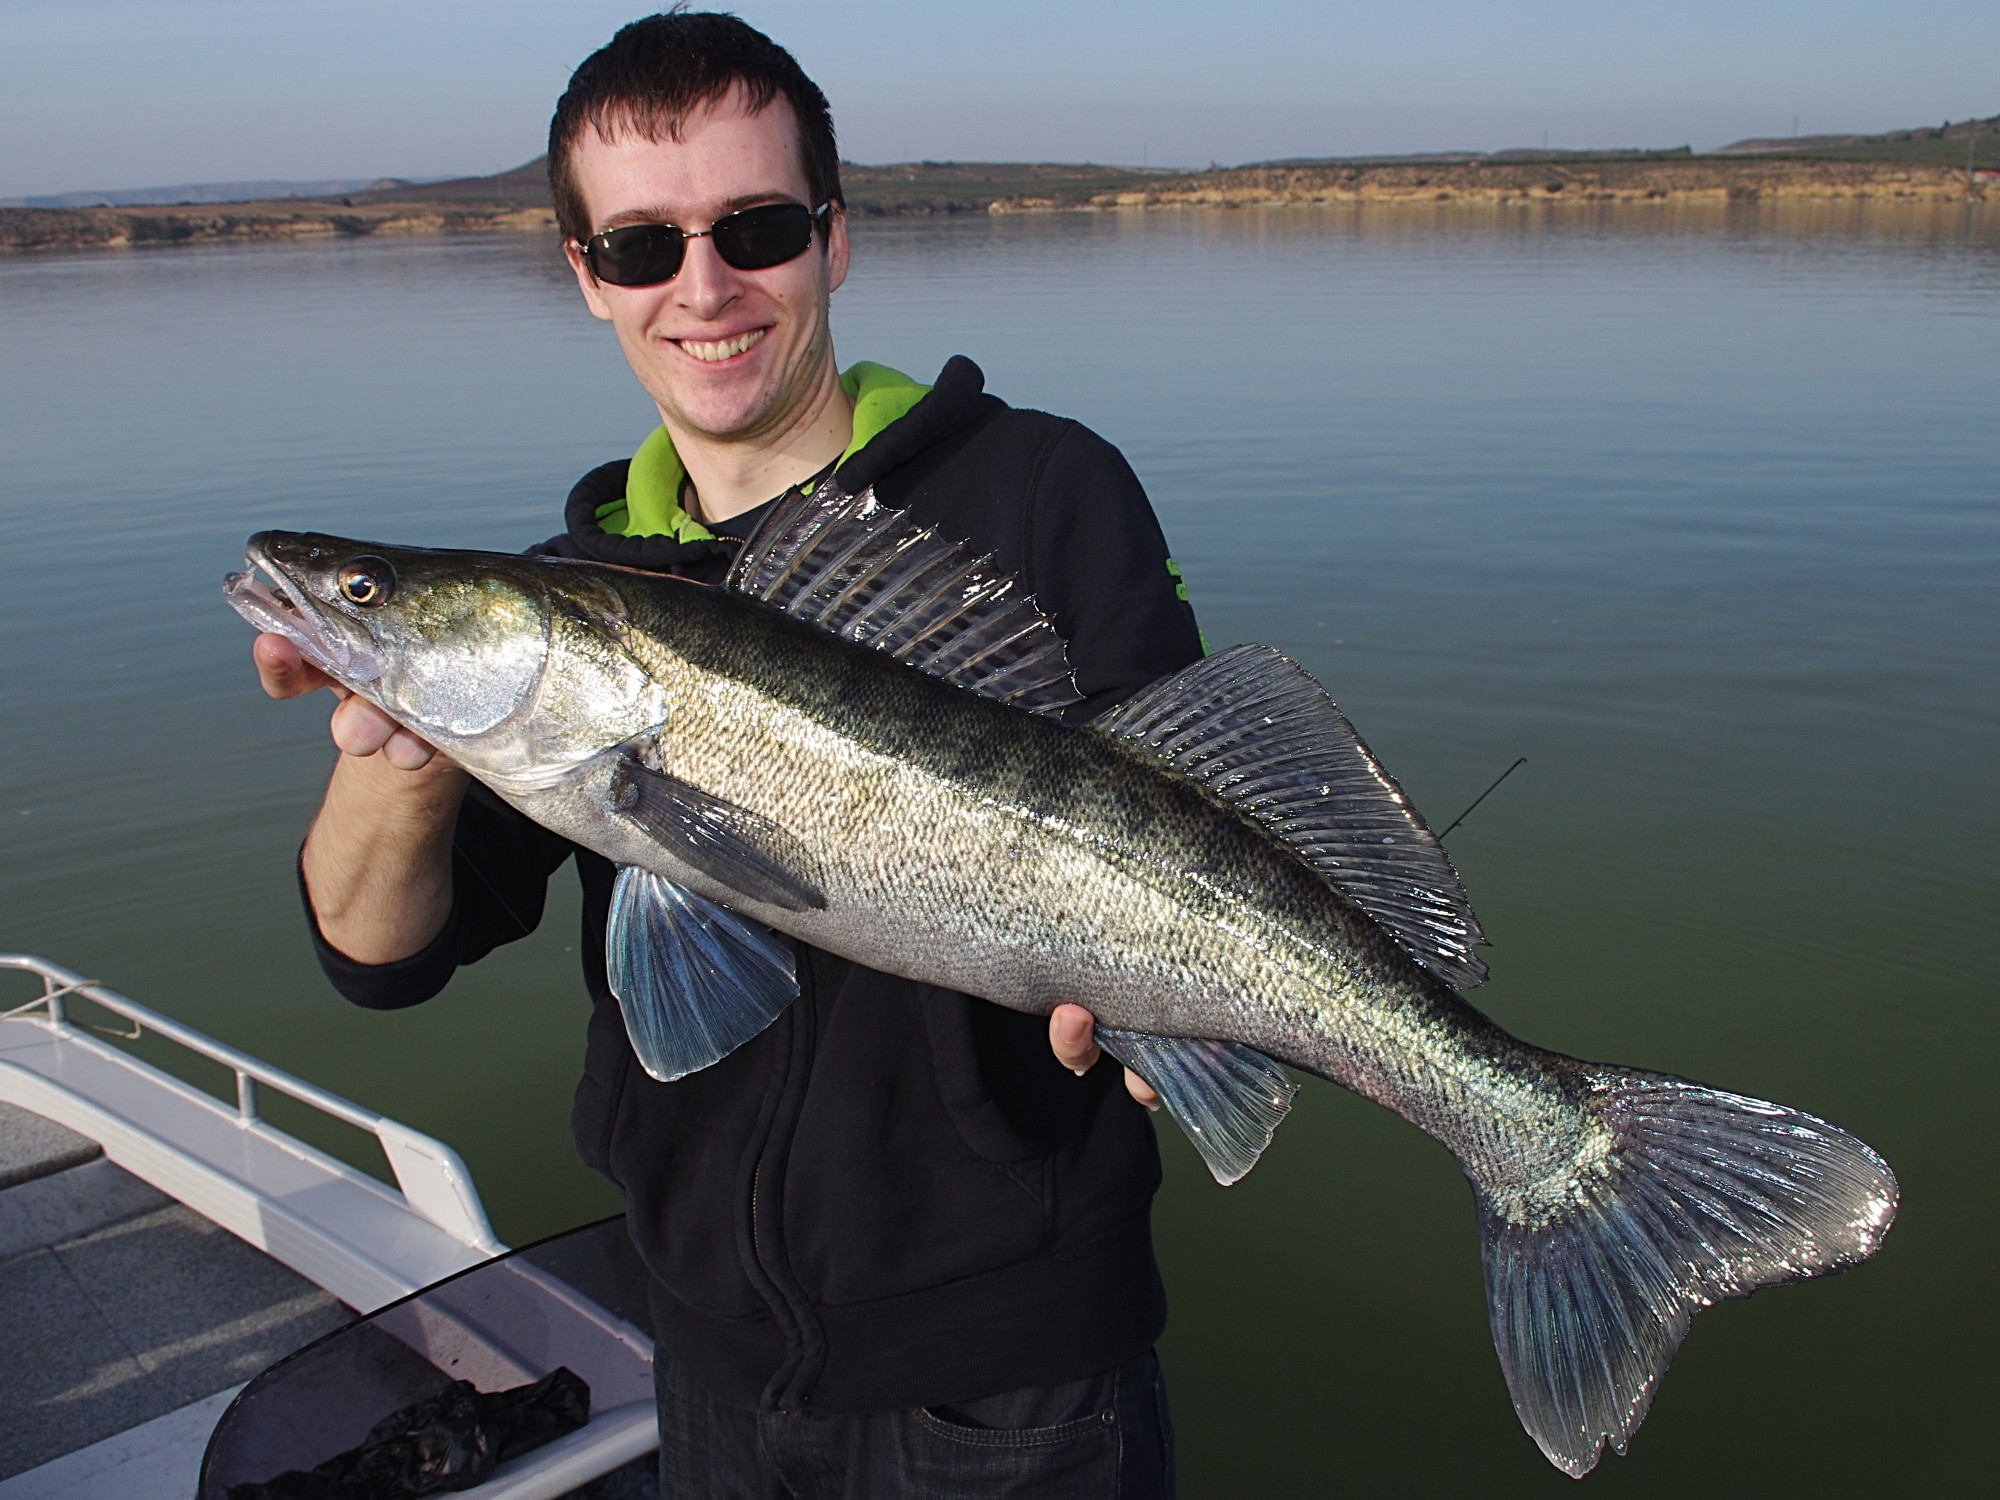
[(264, 595)]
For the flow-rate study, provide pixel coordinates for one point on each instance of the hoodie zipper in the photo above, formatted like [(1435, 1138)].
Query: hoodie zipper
[(790, 1312)]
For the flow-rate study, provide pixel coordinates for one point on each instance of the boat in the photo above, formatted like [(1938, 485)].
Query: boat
[(192, 1297)]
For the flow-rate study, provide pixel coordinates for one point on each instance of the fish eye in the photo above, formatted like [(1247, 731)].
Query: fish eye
[(367, 580)]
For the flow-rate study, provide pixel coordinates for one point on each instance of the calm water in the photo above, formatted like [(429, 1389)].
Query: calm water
[(1696, 511)]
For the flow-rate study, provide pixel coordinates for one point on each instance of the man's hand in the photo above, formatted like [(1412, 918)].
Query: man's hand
[(377, 861), (1070, 1028), (358, 727)]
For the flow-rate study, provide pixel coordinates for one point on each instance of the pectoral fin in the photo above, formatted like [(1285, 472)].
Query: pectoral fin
[(1228, 1099), (694, 980), (741, 849)]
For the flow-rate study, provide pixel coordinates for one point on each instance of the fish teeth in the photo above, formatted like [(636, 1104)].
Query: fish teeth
[(711, 350)]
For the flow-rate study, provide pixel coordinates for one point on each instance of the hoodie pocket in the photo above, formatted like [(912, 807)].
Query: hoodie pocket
[(904, 1173), (1011, 1102)]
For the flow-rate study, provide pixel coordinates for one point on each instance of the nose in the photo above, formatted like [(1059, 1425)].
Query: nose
[(707, 283)]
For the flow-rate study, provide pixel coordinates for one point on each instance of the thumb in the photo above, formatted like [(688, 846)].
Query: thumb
[(1072, 1037)]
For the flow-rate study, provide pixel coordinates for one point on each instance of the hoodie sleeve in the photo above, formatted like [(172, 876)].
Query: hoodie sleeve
[(500, 867), (1099, 565)]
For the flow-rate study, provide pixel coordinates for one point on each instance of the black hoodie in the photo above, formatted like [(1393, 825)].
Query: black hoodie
[(894, 1196)]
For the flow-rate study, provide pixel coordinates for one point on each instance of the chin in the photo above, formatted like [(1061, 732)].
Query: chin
[(725, 420)]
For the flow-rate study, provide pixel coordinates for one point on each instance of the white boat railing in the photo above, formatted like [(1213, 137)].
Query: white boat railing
[(340, 1227)]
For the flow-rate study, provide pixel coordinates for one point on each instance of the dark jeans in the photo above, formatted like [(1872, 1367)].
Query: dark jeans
[(1104, 1438)]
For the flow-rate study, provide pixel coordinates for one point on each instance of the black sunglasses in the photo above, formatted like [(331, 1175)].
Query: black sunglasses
[(752, 239)]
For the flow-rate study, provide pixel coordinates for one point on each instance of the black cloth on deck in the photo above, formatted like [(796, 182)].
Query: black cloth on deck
[(894, 1196)]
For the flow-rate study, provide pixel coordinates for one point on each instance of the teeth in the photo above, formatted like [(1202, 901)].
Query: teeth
[(271, 587), (710, 351)]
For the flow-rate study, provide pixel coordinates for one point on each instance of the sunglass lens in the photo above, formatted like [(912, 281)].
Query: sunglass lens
[(765, 236), (638, 255)]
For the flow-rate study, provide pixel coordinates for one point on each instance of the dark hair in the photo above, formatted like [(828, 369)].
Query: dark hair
[(654, 72)]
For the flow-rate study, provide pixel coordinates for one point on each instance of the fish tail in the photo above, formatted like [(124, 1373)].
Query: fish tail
[(1693, 1195)]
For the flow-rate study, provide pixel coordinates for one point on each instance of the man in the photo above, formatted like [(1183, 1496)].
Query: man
[(899, 1241)]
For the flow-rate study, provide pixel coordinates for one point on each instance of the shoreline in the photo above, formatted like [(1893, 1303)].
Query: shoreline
[(953, 189), (1694, 180), (241, 223)]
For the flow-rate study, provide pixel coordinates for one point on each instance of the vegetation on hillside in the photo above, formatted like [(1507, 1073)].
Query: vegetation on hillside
[(1976, 142)]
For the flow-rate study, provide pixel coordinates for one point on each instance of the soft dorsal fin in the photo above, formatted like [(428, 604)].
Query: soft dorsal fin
[(1254, 728), (867, 574)]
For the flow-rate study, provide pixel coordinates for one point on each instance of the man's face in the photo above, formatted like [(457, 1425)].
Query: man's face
[(733, 355)]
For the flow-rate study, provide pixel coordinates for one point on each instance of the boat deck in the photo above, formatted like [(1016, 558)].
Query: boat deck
[(120, 1305), (160, 1246)]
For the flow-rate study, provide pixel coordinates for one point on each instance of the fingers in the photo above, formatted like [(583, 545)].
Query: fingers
[(1141, 1090), (1072, 1030), (360, 728), (282, 671), (406, 752)]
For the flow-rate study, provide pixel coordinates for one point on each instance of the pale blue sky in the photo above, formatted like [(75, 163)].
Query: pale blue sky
[(129, 93)]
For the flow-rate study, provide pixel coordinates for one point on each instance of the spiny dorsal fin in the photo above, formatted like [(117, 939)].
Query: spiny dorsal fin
[(868, 574), (1253, 727)]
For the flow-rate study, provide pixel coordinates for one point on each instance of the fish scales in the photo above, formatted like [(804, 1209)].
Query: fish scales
[(1122, 885)]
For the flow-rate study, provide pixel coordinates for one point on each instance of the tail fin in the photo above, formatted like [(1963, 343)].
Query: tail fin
[(1703, 1195)]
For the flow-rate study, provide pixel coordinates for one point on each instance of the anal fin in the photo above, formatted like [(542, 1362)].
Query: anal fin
[(1228, 1099), (694, 980)]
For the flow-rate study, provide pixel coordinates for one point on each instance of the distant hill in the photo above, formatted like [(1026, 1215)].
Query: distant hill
[(518, 200), (524, 186), (1470, 158), (1940, 145), (957, 187), (893, 188), (209, 192)]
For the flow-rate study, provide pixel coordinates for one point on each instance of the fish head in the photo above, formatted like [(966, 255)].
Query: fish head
[(509, 664)]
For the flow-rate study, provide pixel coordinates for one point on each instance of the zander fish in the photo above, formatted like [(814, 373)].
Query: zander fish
[(857, 742)]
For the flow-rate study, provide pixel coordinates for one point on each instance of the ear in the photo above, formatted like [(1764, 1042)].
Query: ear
[(593, 292), (836, 247)]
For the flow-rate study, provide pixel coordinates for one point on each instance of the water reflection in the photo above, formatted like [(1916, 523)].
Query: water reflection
[(1690, 504)]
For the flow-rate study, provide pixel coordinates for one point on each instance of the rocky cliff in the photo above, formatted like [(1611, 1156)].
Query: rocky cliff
[(518, 200), (1684, 179)]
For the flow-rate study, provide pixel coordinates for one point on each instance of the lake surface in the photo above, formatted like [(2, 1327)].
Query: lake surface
[(1695, 509)]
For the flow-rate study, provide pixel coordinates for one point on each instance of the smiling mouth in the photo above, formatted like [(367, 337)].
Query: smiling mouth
[(714, 351)]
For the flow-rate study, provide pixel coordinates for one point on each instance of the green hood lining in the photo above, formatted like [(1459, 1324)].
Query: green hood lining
[(651, 505)]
